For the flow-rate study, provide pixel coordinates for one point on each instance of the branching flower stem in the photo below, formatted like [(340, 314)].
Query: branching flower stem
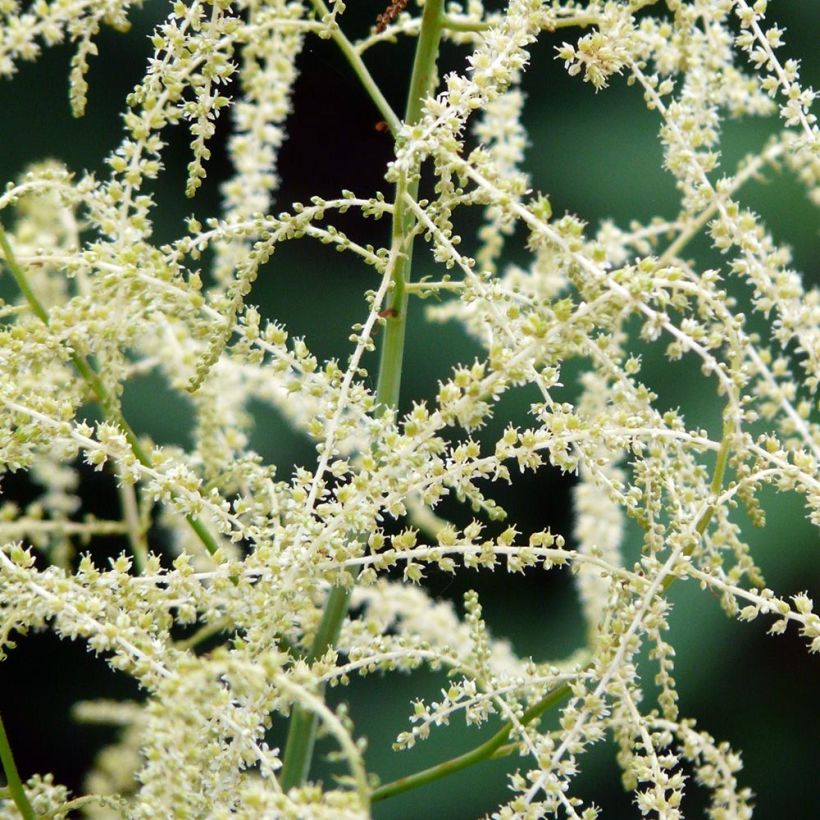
[(497, 745), (268, 632), (301, 734), (109, 406), (485, 751), (302, 727)]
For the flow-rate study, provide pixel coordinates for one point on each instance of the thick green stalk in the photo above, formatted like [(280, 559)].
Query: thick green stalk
[(15, 786), (421, 85), (104, 398), (302, 728)]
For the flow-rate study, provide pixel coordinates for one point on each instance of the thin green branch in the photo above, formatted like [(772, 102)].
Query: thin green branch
[(109, 406), (465, 25), (135, 530), (203, 534), (576, 21), (717, 482), (302, 727), (357, 64), (423, 289), (485, 751), (70, 806), (203, 634), (746, 170), (717, 478), (13, 783)]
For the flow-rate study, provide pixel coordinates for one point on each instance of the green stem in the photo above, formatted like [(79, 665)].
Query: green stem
[(485, 751), (134, 526), (467, 26), (20, 278), (424, 289), (717, 482), (476, 26), (422, 81), (15, 786), (302, 727), (365, 77), (109, 406), (203, 634), (421, 85)]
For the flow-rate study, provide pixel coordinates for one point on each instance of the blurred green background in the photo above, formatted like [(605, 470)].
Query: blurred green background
[(595, 155)]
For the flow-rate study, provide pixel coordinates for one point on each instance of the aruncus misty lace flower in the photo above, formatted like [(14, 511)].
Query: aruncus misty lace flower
[(270, 589)]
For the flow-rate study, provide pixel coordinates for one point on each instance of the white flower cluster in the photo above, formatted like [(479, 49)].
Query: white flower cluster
[(261, 566)]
